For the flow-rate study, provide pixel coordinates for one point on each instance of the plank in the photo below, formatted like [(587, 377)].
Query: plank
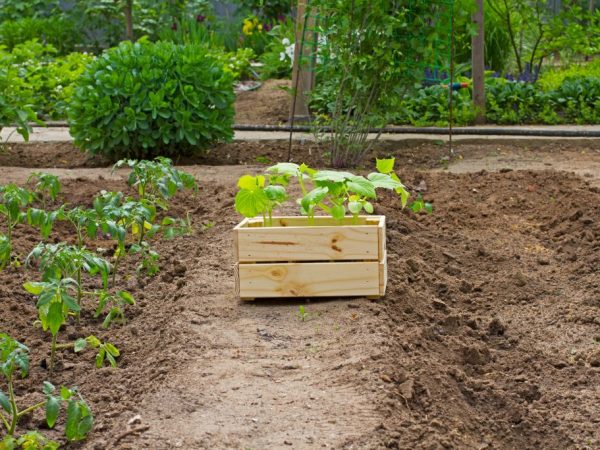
[(331, 243), (334, 279), (318, 221)]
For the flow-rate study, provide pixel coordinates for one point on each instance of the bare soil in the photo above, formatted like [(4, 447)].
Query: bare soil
[(268, 105), (488, 337)]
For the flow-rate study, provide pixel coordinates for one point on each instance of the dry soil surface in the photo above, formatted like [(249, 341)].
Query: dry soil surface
[(488, 337)]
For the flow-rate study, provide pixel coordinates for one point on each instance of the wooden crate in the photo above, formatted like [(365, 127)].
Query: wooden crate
[(324, 259)]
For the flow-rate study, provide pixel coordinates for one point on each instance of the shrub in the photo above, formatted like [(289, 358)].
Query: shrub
[(57, 31), (143, 100)]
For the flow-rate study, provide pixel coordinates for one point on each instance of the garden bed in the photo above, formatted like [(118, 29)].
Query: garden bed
[(488, 334)]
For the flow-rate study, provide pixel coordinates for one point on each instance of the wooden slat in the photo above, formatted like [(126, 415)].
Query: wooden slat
[(331, 243), (334, 279), (318, 221), (383, 277)]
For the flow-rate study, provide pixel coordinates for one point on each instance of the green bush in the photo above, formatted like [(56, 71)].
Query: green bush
[(143, 100), (42, 80), (56, 31), (552, 79), (14, 107)]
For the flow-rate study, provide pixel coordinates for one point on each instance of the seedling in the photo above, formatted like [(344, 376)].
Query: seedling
[(302, 314), (335, 193), (117, 304), (32, 440), (47, 186), (14, 360), (157, 181), (84, 221), (106, 351), (65, 261), (13, 201), (54, 306), (149, 258)]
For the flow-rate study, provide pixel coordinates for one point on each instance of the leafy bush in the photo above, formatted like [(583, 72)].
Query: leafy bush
[(552, 79), (15, 105), (41, 80), (56, 31), (278, 58), (142, 100)]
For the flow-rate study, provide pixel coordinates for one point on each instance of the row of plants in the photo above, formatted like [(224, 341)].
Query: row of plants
[(576, 100), (73, 278)]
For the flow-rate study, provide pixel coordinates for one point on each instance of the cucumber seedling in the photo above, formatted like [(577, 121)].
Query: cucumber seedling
[(14, 363)]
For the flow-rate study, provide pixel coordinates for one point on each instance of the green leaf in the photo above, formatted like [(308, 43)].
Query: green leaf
[(65, 393), (79, 345), (313, 197), (5, 402), (73, 419), (127, 297), (276, 193), (338, 212), (362, 186), (93, 341), (55, 317), (368, 207), (332, 175), (52, 410), (34, 287), (100, 357), (48, 388), (355, 207), (381, 180), (385, 166), (250, 183), (112, 350), (289, 169), (251, 203)]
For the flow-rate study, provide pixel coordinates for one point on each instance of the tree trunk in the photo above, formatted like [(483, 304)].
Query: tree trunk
[(478, 64), (128, 11)]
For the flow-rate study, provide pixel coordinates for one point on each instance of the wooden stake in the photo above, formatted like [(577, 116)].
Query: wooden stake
[(478, 64)]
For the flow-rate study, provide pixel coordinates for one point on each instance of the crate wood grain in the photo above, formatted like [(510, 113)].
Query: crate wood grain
[(324, 259)]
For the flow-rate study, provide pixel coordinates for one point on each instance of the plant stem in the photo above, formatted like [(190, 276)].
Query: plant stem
[(31, 408), (79, 290), (5, 421), (115, 270), (52, 352), (13, 405)]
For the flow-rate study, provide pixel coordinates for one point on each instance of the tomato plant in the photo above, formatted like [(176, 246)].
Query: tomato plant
[(14, 362), (54, 305), (46, 187), (13, 201)]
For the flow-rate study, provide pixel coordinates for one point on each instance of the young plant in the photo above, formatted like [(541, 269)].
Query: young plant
[(106, 351), (256, 198), (59, 261), (13, 201), (14, 361), (32, 440), (84, 221), (54, 306), (47, 186), (117, 304), (157, 181), (149, 258), (302, 314)]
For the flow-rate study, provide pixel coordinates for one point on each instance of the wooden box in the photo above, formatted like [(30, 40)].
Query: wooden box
[(324, 259)]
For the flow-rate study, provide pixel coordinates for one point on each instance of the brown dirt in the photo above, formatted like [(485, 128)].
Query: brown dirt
[(268, 105), (489, 335)]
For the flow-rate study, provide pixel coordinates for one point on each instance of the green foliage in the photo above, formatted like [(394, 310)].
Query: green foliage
[(302, 314), (56, 31), (13, 201), (375, 51), (107, 352), (116, 307), (335, 193), (157, 181), (41, 82), (54, 305), (143, 99), (16, 107), (277, 59), (14, 360), (47, 186), (552, 78)]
